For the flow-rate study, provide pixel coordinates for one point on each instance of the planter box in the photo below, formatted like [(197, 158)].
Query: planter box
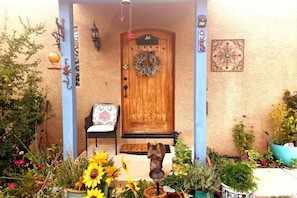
[(284, 153), (228, 192)]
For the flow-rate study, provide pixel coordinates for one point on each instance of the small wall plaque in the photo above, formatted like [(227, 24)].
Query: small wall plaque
[(227, 55), (147, 39)]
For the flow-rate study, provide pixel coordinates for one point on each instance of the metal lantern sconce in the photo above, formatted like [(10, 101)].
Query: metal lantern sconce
[(95, 36)]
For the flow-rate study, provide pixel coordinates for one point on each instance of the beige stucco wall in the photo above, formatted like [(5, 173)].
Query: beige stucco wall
[(269, 62), (269, 30)]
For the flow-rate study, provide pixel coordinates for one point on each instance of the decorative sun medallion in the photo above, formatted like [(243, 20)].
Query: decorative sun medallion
[(227, 55)]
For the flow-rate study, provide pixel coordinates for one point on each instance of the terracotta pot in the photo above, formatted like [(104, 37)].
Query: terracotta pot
[(150, 192)]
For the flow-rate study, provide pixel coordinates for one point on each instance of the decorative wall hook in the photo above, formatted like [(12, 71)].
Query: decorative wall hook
[(95, 36), (59, 33), (66, 72)]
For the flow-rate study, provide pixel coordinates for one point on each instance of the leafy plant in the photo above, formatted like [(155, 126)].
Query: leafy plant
[(70, 172), (182, 157), (238, 176), (244, 137), (174, 181), (284, 118), (202, 178), (33, 173), (20, 97)]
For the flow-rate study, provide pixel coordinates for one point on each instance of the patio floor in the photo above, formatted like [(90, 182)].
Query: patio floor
[(272, 182)]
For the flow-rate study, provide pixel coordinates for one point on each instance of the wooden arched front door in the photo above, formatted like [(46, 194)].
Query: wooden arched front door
[(147, 101)]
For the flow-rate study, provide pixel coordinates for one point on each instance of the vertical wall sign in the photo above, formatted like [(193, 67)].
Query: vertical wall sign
[(76, 56), (201, 33), (227, 55), (202, 41)]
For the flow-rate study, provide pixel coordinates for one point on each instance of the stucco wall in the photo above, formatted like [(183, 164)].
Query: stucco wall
[(269, 60), (269, 30)]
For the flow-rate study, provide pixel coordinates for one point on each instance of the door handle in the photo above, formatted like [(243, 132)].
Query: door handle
[(125, 91)]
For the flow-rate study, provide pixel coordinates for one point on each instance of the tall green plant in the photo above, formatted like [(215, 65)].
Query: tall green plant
[(284, 117), (20, 97), (243, 136)]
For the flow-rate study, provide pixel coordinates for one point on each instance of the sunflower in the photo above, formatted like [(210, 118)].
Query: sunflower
[(112, 171), (93, 175), (95, 193), (125, 165), (100, 158), (133, 187)]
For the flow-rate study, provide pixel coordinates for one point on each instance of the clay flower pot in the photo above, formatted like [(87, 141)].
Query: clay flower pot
[(151, 192)]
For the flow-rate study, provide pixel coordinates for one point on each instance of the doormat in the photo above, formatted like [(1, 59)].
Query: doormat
[(139, 149)]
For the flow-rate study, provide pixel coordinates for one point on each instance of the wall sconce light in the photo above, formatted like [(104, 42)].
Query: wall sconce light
[(60, 32), (54, 58), (202, 21), (95, 36)]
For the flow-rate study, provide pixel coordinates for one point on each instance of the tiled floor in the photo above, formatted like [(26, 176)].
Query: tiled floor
[(271, 181)]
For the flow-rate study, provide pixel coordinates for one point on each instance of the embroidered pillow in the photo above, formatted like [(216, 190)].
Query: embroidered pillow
[(105, 114)]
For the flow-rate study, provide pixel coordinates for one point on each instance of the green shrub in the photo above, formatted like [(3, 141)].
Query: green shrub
[(20, 97)]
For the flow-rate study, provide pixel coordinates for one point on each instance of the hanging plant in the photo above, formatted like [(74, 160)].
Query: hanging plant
[(146, 63)]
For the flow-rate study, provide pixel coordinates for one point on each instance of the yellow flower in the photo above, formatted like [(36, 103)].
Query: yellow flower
[(93, 175), (108, 181), (94, 193), (100, 158), (112, 171), (133, 187), (125, 165)]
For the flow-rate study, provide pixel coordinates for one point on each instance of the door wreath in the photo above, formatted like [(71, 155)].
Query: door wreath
[(146, 63)]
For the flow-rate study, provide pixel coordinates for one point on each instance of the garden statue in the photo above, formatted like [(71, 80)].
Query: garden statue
[(156, 152)]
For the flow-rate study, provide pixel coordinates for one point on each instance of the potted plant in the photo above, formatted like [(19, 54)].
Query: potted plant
[(284, 116), (201, 179), (69, 176), (237, 180), (173, 184), (182, 157), (151, 192)]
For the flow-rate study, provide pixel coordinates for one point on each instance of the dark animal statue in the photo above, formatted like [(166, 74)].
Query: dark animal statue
[(156, 152)]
